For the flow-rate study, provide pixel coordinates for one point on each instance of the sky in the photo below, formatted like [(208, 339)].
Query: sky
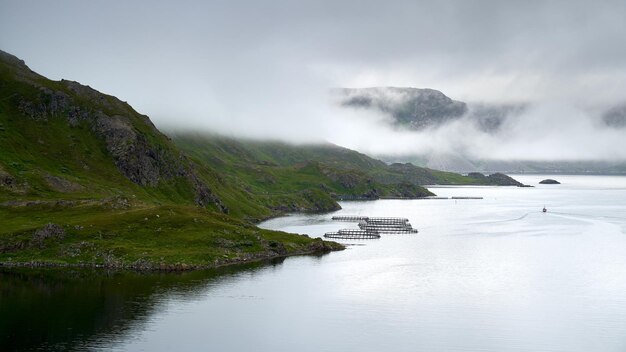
[(264, 69)]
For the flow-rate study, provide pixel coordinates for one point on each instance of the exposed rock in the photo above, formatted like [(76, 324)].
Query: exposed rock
[(550, 181), (6, 180), (116, 203), (139, 150), (49, 231), (9, 183), (60, 184), (497, 179), (409, 190), (320, 246), (276, 247), (503, 180)]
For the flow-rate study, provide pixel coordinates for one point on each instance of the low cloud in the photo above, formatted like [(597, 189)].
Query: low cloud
[(264, 69)]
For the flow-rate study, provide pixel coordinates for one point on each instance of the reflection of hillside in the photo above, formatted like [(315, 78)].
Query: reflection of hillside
[(63, 309)]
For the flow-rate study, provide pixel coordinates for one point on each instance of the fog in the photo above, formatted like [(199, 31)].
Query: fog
[(266, 69), (544, 132)]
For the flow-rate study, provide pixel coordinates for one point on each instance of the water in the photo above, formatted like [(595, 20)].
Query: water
[(494, 274)]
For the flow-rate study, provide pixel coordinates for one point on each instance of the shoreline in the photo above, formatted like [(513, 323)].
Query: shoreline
[(175, 267)]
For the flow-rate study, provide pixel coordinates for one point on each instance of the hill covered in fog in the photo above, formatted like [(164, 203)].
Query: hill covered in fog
[(430, 112)]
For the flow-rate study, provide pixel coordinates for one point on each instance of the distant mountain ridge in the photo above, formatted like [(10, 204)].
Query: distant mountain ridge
[(422, 108), (85, 180), (418, 109), (413, 108)]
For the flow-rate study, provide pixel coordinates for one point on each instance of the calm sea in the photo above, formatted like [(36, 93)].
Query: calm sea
[(494, 274)]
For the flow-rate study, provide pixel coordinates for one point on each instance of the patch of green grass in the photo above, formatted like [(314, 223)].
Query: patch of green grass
[(152, 235)]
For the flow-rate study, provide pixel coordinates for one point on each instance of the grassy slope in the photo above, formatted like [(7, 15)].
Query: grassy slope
[(270, 165), (101, 211), (284, 171), (68, 174), (143, 237)]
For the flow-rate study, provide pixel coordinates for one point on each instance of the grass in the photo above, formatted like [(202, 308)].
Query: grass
[(54, 171), (58, 169), (145, 237)]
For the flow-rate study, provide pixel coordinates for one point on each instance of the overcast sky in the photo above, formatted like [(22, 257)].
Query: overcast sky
[(263, 68)]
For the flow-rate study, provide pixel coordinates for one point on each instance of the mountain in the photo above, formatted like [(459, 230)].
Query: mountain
[(410, 107), (63, 138), (616, 116), (422, 109), (455, 163), (419, 108), (490, 117), (87, 180), (344, 173)]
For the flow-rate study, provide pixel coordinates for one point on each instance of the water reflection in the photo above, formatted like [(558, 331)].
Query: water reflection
[(494, 274), (73, 309)]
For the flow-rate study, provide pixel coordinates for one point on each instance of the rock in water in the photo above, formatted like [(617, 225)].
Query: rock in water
[(550, 181)]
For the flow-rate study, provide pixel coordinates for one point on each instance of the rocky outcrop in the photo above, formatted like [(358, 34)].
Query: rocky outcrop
[(549, 181), (62, 185), (140, 152), (48, 232), (497, 179), (409, 191)]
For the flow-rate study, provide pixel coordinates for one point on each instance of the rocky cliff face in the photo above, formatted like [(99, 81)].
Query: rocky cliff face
[(139, 151)]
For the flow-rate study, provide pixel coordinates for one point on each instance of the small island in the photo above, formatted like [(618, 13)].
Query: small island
[(550, 181)]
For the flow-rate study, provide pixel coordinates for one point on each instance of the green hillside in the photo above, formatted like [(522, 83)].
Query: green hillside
[(85, 179), (274, 166), (280, 172)]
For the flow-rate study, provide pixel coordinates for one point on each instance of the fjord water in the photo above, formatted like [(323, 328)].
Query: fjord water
[(494, 274)]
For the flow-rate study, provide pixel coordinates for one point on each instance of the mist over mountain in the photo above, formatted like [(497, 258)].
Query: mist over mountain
[(422, 108), (476, 133), (517, 81), (616, 116), (412, 108)]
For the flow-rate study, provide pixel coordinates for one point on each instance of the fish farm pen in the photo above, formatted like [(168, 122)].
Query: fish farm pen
[(388, 229), (349, 218), (371, 227), (374, 220), (353, 234)]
